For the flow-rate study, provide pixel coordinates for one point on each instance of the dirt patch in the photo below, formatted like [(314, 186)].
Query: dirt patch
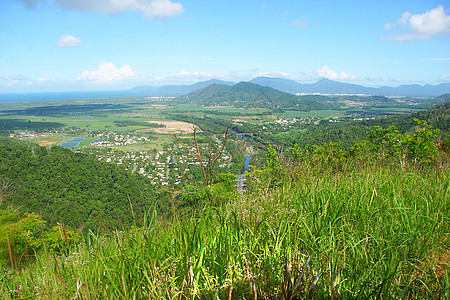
[(44, 143), (173, 127)]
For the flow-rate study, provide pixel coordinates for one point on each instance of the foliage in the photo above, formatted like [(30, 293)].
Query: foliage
[(71, 188), (363, 233), (249, 95), (389, 140), (22, 237), (208, 155), (419, 147), (60, 238)]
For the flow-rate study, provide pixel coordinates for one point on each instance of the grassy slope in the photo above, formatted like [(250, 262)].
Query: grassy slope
[(379, 232)]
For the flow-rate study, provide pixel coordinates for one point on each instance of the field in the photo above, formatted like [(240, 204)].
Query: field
[(89, 118)]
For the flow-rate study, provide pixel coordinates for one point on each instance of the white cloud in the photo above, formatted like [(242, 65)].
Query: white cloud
[(326, 72), (68, 41), (13, 80), (152, 9), (400, 22), (108, 73), (439, 59), (300, 23), (420, 26), (195, 76), (445, 78), (44, 80), (257, 72), (187, 77)]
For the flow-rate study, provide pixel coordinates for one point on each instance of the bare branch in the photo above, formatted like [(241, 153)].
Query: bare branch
[(5, 189)]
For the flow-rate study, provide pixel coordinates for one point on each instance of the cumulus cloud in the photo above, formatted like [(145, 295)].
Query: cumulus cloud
[(152, 9), (420, 26), (68, 41), (108, 73), (326, 72)]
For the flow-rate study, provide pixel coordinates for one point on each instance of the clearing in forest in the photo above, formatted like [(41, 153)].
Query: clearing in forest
[(173, 126)]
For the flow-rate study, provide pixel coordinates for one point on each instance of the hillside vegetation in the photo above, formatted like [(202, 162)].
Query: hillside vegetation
[(250, 95), (316, 222), (70, 188), (350, 131)]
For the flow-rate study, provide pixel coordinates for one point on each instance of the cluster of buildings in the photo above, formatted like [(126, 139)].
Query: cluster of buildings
[(170, 166), (286, 121), (112, 139), (26, 135)]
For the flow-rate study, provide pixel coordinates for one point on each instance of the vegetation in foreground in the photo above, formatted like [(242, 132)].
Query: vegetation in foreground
[(371, 222)]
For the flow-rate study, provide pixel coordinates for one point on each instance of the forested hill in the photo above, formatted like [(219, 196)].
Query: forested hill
[(438, 116), (250, 95), (346, 133), (70, 188)]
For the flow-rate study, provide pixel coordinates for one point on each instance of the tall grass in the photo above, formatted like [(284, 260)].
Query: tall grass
[(378, 232)]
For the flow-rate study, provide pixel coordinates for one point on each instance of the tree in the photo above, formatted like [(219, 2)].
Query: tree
[(207, 157), (420, 146)]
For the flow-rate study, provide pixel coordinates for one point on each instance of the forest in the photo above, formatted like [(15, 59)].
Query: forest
[(71, 188)]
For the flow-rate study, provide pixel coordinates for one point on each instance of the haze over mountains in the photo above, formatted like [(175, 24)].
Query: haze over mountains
[(323, 86)]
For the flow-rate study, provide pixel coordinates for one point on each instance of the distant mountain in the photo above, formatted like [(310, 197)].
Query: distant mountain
[(415, 90), (143, 89), (250, 95), (323, 86), (281, 84), (179, 89), (326, 86)]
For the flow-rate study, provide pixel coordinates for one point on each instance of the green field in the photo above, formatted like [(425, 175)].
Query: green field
[(89, 118)]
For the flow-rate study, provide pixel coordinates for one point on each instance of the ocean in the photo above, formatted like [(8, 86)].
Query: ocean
[(61, 96)]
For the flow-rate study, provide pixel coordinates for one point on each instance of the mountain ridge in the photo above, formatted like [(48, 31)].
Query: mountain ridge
[(323, 86), (250, 95)]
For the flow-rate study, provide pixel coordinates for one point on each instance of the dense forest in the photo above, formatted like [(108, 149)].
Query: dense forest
[(250, 95), (71, 188)]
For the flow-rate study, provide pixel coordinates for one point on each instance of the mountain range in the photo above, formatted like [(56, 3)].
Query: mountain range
[(178, 89), (323, 86)]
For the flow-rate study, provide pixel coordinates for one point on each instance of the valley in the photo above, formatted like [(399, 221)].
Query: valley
[(252, 163)]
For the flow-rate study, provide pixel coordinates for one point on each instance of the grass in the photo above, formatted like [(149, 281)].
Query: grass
[(377, 232)]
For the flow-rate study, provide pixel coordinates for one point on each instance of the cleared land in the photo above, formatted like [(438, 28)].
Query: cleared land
[(173, 127)]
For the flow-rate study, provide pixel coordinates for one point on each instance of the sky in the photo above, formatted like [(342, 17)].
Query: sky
[(80, 45)]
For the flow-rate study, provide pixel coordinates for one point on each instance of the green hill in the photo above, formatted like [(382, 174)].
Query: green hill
[(250, 95), (70, 188)]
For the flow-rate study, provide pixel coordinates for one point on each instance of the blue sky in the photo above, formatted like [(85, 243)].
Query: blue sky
[(67, 45)]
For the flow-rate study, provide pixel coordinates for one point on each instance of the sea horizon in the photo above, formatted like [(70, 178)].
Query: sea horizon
[(64, 96)]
